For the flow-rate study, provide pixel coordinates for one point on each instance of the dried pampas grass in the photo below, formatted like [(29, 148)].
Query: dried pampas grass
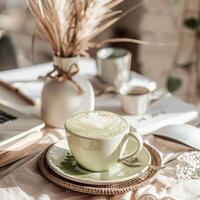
[(68, 26)]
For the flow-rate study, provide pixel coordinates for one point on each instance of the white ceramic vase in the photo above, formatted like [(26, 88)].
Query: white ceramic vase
[(60, 99)]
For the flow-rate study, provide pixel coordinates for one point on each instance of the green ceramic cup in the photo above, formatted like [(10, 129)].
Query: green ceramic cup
[(98, 139)]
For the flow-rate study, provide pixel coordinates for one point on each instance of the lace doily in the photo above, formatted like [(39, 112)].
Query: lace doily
[(188, 166)]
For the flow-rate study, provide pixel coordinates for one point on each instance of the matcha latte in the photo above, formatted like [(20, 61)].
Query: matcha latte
[(96, 125), (98, 139)]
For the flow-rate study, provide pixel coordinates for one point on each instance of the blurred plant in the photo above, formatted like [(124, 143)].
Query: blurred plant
[(191, 65), (191, 23)]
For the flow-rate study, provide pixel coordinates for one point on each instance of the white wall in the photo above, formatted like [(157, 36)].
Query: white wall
[(160, 23)]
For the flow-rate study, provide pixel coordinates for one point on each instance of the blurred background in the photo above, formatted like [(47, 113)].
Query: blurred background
[(156, 21)]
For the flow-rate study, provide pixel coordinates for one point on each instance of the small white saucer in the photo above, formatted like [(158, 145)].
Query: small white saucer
[(62, 162)]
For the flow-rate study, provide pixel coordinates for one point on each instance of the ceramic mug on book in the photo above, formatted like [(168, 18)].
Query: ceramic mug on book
[(98, 139), (114, 65), (135, 101)]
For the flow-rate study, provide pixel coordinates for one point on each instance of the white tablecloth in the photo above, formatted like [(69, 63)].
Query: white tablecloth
[(24, 181)]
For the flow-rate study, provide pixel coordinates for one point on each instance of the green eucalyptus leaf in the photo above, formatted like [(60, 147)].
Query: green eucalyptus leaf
[(173, 83), (186, 66), (191, 23)]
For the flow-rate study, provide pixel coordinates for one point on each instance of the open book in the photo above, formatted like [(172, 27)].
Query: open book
[(166, 111)]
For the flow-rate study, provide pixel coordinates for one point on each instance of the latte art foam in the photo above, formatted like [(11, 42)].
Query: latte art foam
[(97, 124)]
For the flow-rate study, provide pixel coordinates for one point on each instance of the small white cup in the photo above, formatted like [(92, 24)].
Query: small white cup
[(135, 101)]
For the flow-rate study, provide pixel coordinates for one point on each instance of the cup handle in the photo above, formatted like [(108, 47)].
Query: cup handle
[(139, 140)]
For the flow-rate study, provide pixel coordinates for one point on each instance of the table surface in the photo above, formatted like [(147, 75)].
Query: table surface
[(160, 187)]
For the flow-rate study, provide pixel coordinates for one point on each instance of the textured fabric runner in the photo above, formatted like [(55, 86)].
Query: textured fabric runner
[(26, 182)]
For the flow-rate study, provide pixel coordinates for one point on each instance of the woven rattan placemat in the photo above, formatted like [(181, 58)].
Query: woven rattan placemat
[(109, 189)]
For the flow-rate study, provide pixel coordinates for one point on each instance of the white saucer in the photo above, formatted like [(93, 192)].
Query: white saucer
[(62, 162)]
